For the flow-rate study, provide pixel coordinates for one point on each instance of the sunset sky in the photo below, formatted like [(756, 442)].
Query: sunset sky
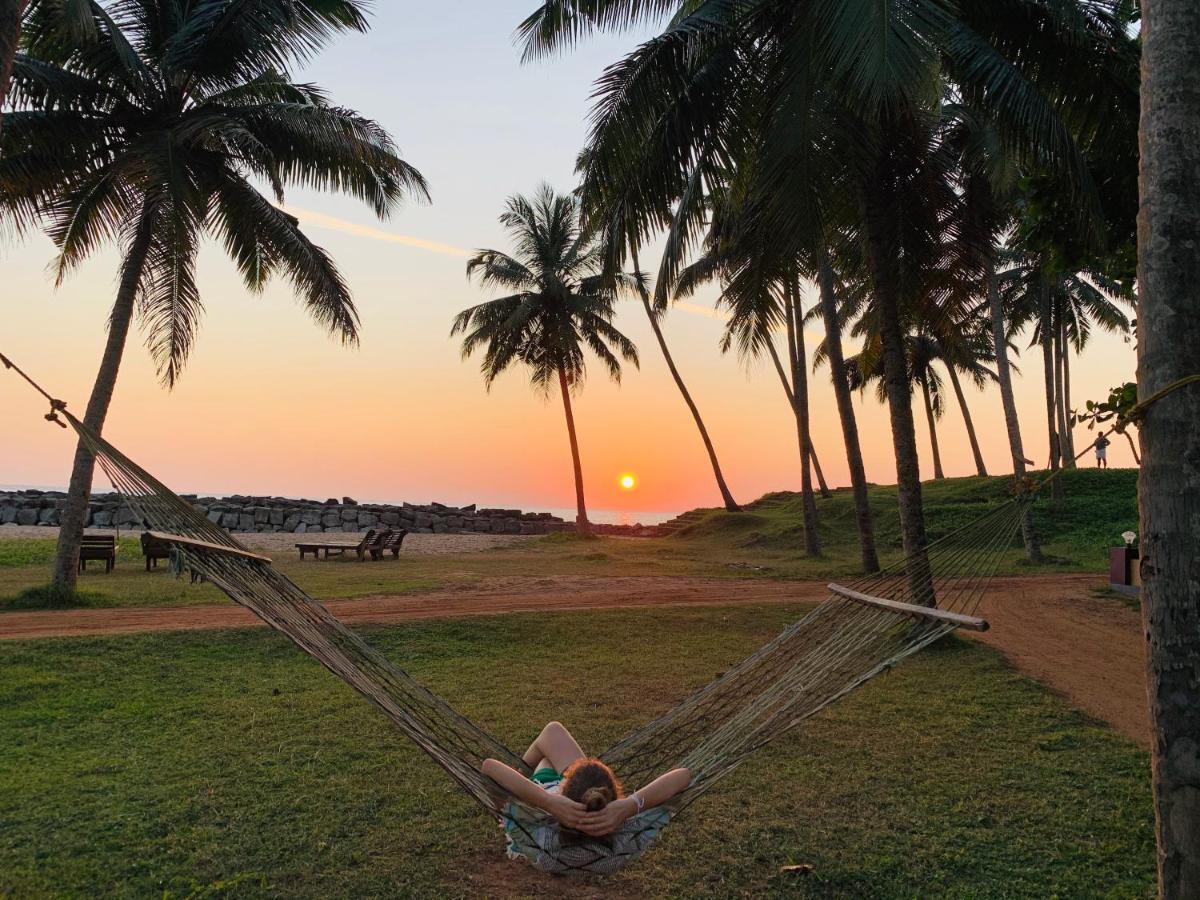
[(269, 404)]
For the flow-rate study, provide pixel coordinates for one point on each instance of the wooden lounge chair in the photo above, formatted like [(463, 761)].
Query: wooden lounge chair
[(102, 547), (390, 544), (154, 549), (370, 540)]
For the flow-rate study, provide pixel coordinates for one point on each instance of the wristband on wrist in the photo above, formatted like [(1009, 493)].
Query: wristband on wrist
[(638, 801)]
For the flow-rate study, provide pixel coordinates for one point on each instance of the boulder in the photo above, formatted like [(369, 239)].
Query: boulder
[(27, 516), (349, 515), (349, 501), (275, 516), (391, 517), (48, 516), (331, 519)]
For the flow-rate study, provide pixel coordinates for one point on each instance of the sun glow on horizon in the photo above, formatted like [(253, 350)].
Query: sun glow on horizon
[(627, 482)]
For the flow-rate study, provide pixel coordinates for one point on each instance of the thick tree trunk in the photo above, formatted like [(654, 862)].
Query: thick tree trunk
[(845, 405), (1033, 550), (1169, 483), (75, 512), (581, 518), (980, 468), (899, 394), (812, 544), (726, 497), (10, 37), (933, 441)]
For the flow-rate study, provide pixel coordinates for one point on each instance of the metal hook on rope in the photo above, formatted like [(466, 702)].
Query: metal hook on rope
[(56, 406)]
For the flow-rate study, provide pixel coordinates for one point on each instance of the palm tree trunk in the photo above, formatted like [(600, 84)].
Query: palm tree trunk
[(1060, 404), (980, 468), (581, 517), (812, 544), (75, 511), (11, 12), (1066, 398), (1033, 550), (933, 441), (899, 394), (726, 497), (791, 402), (845, 405), (822, 485), (1169, 483), (1047, 329)]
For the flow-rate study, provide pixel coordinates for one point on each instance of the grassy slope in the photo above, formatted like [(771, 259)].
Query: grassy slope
[(172, 764), (764, 541)]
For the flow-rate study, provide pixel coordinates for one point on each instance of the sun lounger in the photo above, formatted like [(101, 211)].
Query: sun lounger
[(370, 540), (154, 549), (390, 544), (102, 547)]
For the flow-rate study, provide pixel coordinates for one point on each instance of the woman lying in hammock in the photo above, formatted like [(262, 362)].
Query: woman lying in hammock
[(582, 793)]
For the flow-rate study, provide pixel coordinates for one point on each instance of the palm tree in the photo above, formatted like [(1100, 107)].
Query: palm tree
[(145, 128), (1063, 307), (654, 315), (11, 12), (806, 92), (1169, 484), (563, 302)]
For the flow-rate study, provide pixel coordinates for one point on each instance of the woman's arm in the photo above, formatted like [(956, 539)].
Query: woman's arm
[(656, 793), (567, 811)]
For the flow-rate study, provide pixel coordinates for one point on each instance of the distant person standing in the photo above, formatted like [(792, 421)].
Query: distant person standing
[(1102, 443)]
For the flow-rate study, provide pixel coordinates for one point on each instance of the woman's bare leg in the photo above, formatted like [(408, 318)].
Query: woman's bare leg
[(554, 748)]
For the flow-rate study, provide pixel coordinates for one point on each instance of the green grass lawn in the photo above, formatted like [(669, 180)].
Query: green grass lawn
[(230, 764), (765, 541)]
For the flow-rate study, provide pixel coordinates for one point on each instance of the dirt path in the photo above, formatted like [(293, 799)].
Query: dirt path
[(1087, 649)]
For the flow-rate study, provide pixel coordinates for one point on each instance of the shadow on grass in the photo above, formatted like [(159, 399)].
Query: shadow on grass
[(48, 596)]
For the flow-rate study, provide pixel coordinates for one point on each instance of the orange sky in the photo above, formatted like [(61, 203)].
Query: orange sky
[(270, 405)]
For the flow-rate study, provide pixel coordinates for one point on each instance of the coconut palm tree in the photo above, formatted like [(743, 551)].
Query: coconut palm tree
[(1169, 484), (808, 86), (1062, 307), (563, 302), (146, 125), (11, 12)]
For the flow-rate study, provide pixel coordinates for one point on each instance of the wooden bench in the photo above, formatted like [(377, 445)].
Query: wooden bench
[(390, 544), (102, 547), (368, 545), (154, 549)]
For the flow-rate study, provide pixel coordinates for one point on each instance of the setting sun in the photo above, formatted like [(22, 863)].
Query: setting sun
[(628, 482)]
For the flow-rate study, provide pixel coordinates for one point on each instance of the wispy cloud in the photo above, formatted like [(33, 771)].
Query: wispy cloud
[(332, 223)]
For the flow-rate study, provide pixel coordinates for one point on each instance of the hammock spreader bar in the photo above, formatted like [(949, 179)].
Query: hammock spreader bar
[(909, 609)]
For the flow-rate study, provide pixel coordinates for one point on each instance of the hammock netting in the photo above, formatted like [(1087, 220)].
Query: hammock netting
[(861, 630)]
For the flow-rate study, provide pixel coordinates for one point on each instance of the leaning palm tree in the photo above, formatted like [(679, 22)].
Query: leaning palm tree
[(146, 123), (563, 302)]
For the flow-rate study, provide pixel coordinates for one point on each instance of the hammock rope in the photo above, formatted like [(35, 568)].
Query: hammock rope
[(838, 646)]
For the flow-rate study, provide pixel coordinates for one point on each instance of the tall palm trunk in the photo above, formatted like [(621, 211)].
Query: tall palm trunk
[(726, 497), (933, 441), (884, 281), (822, 485), (1033, 550), (1047, 341), (812, 544), (75, 512), (980, 468), (845, 405), (1169, 483), (1069, 432), (581, 517), (815, 464), (1060, 403), (10, 37)]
